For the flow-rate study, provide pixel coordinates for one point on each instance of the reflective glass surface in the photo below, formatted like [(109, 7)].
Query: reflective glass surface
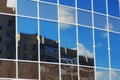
[(115, 75), (68, 43), (85, 46), (67, 2), (27, 39), (53, 1), (7, 35)]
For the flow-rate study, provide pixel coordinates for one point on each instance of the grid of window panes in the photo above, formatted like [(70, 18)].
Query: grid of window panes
[(59, 40)]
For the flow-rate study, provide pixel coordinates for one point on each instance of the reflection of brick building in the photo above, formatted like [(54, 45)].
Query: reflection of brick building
[(7, 37), (7, 69), (4, 8), (49, 50), (28, 47)]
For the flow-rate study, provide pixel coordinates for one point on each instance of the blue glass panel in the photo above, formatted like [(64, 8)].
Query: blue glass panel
[(84, 18), (113, 8), (53, 1), (97, 6), (26, 7), (114, 50), (115, 75), (67, 2), (48, 11), (101, 43), (86, 4)]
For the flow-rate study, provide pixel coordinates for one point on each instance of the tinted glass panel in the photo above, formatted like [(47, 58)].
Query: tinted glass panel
[(114, 50), (49, 41), (53, 1), (28, 70), (69, 72), (27, 7), (68, 43), (49, 72), (100, 21), (8, 6), (115, 75), (84, 18), (97, 6), (101, 43), (7, 34), (86, 73), (86, 4), (67, 2), (7, 69), (66, 14), (27, 39), (113, 5), (85, 46), (48, 11)]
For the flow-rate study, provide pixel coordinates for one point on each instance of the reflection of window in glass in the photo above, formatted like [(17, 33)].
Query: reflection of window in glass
[(0, 39), (0, 27), (8, 34), (10, 23)]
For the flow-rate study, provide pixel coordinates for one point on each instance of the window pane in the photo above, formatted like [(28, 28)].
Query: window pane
[(114, 50), (49, 41), (67, 2), (53, 1), (86, 73), (86, 4), (69, 72), (68, 43), (84, 18), (8, 6), (102, 74), (114, 24), (97, 6), (48, 11), (7, 69), (7, 34), (66, 14), (27, 70), (49, 72), (115, 75), (101, 43), (85, 46), (27, 39), (113, 8), (27, 7), (100, 21)]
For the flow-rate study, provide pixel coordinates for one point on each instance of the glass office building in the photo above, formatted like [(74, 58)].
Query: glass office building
[(59, 40)]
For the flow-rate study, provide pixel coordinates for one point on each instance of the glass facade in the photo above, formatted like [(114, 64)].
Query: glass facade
[(59, 40)]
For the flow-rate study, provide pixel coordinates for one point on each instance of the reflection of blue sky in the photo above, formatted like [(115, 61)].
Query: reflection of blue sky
[(84, 18), (67, 2), (101, 48), (26, 7), (113, 5), (68, 36), (86, 4), (115, 75), (49, 29), (115, 50), (100, 21), (114, 24), (53, 1), (98, 7), (85, 42), (27, 25), (66, 14), (48, 11), (102, 74)]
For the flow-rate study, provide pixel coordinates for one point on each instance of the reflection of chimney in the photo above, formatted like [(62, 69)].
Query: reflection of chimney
[(11, 4), (43, 40), (86, 59), (66, 51)]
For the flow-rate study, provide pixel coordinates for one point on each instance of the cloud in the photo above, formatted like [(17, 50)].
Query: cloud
[(110, 26), (100, 75), (115, 75), (66, 15), (83, 51)]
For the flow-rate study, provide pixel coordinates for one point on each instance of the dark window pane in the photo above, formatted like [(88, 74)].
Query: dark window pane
[(49, 71), (69, 72), (27, 39), (7, 6), (7, 34), (7, 69), (67, 2), (28, 70)]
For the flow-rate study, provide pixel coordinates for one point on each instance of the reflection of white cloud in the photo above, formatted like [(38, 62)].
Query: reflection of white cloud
[(66, 15), (99, 74), (102, 75), (83, 51), (115, 75), (64, 26), (99, 44), (11, 3), (110, 26)]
